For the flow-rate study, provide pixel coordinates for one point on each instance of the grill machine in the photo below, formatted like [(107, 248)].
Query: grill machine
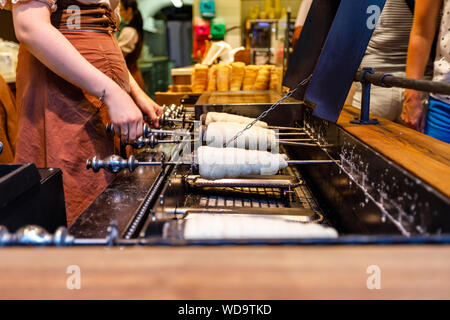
[(348, 185)]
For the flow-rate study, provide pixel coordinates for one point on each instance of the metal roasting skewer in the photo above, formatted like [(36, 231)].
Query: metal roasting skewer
[(204, 116), (116, 163), (252, 181), (148, 132), (286, 128), (297, 140), (165, 120), (152, 142), (291, 134), (299, 214)]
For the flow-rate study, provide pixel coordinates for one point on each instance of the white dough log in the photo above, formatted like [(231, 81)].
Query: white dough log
[(226, 117), (215, 226), (219, 133), (218, 163)]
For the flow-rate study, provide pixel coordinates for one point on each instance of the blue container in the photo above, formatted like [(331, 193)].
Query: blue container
[(207, 9)]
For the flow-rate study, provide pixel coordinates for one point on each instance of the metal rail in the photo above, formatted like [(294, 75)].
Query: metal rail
[(388, 80), (37, 236), (367, 77)]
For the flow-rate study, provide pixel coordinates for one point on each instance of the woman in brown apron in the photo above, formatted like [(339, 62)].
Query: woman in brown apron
[(72, 80), (131, 38)]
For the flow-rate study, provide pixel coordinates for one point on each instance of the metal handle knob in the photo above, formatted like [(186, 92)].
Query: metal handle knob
[(152, 142), (147, 132), (113, 164), (35, 235)]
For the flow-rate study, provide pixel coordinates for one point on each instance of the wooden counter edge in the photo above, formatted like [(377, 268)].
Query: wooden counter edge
[(300, 272), (423, 156)]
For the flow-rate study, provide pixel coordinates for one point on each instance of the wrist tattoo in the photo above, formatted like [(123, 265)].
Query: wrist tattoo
[(102, 97)]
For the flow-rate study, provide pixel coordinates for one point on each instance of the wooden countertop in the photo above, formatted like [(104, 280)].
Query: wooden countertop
[(311, 272), (425, 157)]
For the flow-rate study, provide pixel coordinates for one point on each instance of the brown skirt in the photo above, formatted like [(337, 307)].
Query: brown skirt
[(61, 126)]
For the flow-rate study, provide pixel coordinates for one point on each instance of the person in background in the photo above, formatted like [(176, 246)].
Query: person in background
[(131, 38), (435, 122), (302, 14), (387, 52), (71, 80)]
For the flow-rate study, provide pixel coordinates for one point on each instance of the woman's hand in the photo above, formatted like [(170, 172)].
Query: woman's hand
[(144, 102), (413, 113), (148, 107), (423, 31), (124, 113)]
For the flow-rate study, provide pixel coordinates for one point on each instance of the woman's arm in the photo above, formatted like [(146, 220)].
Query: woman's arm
[(144, 102), (423, 31), (35, 31)]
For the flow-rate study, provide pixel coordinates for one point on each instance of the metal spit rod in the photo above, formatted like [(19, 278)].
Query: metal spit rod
[(285, 128), (268, 127), (152, 142), (148, 132), (116, 163), (203, 121), (273, 181), (297, 214)]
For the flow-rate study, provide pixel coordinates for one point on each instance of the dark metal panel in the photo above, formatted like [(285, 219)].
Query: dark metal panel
[(341, 56), (367, 193), (309, 46), (16, 179), (40, 203)]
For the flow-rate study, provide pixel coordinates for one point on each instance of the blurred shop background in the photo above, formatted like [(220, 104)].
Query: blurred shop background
[(178, 34)]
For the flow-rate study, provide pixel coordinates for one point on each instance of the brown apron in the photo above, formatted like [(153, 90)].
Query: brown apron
[(60, 125)]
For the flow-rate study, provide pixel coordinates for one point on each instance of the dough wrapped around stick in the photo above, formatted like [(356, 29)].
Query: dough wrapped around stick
[(219, 133), (262, 79), (212, 75), (223, 77), (237, 75), (218, 163), (276, 78), (227, 117), (237, 226), (199, 78), (251, 72)]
